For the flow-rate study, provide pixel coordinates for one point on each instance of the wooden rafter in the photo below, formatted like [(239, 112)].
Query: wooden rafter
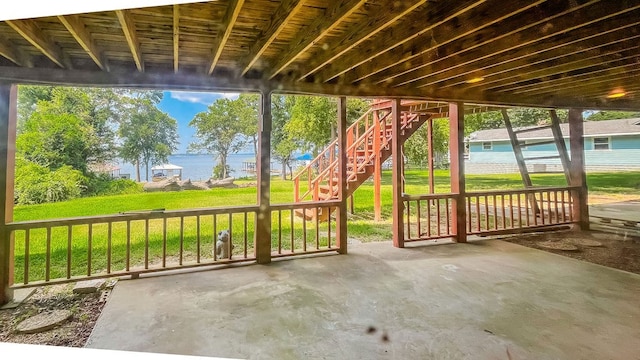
[(78, 30), (176, 36), (30, 31), (228, 21), (335, 13), (359, 33), (129, 29), (397, 38), (10, 52), (553, 61), (285, 11), (572, 20)]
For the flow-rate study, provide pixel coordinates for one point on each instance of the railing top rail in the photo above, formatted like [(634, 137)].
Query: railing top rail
[(428, 196), (130, 216), (521, 191), (306, 205)]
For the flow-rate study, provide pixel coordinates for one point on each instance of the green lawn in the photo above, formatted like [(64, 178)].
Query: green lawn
[(361, 225)]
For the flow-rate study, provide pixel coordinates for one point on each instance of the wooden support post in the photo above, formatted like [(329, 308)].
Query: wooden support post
[(396, 156), (577, 170), (263, 221), (430, 155), (341, 217), (456, 154), (8, 104), (377, 167)]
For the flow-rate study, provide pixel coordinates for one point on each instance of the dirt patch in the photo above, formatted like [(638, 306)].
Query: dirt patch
[(615, 251), (86, 309)]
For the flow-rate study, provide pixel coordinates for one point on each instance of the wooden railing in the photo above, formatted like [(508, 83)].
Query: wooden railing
[(296, 235), (62, 250), (508, 211), (428, 217)]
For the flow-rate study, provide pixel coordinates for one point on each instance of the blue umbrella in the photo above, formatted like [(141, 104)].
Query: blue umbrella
[(305, 157)]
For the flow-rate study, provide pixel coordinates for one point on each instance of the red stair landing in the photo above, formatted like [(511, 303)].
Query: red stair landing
[(368, 139)]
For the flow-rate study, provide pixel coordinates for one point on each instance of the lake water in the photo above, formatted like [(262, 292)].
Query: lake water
[(199, 166)]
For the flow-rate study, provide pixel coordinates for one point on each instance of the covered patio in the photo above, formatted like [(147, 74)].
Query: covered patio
[(450, 59)]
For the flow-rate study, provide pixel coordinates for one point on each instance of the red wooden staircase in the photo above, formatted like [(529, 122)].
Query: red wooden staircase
[(368, 139)]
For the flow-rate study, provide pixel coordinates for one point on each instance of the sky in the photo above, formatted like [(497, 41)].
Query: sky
[(183, 106)]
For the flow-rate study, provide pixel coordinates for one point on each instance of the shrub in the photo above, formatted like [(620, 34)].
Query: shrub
[(36, 184), (103, 184)]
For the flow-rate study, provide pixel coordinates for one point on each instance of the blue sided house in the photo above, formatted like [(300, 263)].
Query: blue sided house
[(608, 145)]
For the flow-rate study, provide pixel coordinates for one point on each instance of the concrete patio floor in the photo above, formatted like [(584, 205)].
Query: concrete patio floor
[(483, 300)]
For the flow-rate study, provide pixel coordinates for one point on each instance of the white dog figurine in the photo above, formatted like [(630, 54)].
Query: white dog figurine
[(223, 245)]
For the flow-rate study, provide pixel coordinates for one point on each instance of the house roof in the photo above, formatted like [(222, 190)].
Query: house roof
[(542, 53), (591, 128), (166, 167)]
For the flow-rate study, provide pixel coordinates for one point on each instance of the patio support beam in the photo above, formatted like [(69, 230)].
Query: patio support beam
[(32, 33), (456, 153), (430, 155), (396, 175), (263, 221), (377, 172), (578, 175), (8, 105), (341, 215)]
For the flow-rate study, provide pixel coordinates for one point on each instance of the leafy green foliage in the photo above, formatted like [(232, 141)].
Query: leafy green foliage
[(612, 115), (36, 184)]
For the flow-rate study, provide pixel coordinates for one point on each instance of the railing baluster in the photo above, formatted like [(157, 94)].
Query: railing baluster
[(469, 215), (478, 215), (109, 244), (526, 211), (198, 239), (214, 236), (27, 233), (542, 214), (128, 260), (564, 211), (279, 231), (504, 213), (304, 229), (47, 269), (318, 209), (428, 217), (181, 240), (555, 201), (439, 215), (408, 206), (495, 213), (511, 217), (448, 214), (418, 218), (89, 245), (486, 213), (230, 243), (164, 242), (69, 249), (292, 231), (146, 243), (246, 235), (330, 210)]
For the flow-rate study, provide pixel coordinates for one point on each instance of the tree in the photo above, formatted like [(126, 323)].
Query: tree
[(416, 147), (148, 135), (218, 131), (283, 146), (612, 115), (246, 108)]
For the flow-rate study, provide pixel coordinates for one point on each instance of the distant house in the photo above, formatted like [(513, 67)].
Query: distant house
[(608, 145)]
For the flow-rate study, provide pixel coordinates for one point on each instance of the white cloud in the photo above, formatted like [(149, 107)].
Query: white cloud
[(231, 96), (204, 98)]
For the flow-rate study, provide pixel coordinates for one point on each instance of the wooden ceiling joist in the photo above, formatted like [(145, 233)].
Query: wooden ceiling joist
[(228, 21), (321, 26), (30, 31), (9, 52), (286, 10), (404, 39), (176, 36), (531, 41), (360, 33), (78, 30), (399, 63), (129, 29), (553, 61)]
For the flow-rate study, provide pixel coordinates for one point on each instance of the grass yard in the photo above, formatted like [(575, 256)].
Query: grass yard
[(361, 225)]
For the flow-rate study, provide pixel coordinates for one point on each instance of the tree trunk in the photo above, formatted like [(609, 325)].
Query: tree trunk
[(146, 170), (333, 131), (137, 163), (284, 170), (255, 147)]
